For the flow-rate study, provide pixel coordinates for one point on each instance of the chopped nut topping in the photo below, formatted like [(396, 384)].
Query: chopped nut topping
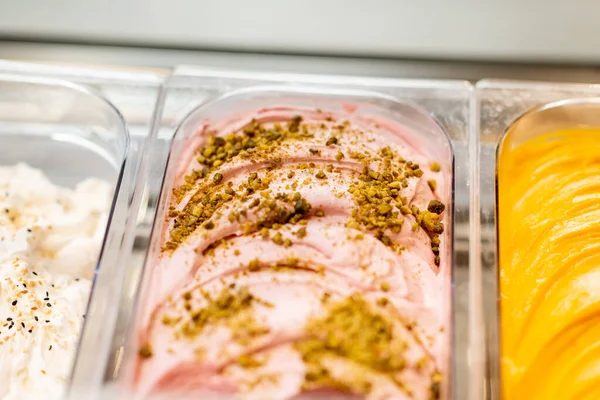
[(354, 330), (145, 351), (259, 181)]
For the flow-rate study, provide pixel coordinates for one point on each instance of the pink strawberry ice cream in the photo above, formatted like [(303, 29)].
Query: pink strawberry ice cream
[(302, 253)]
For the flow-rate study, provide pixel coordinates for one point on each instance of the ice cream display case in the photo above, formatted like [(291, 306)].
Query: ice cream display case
[(215, 233)]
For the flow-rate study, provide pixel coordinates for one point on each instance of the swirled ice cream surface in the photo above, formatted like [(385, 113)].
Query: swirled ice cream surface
[(302, 253), (50, 238)]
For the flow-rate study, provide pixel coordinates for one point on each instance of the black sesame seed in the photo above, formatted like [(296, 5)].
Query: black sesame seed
[(9, 319), (10, 326), (36, 318), (47, 321), (50, 348), (28, 230), (23, 324), (14, 303), (49, 305), (35, 273), (46, 298), (24, 285), (31, 330)]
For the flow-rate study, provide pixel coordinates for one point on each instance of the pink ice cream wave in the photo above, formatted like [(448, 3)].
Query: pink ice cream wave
[(330, 259)]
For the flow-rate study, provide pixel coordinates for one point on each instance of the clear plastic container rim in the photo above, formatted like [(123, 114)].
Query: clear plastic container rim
[(192, 71), (512, 84)]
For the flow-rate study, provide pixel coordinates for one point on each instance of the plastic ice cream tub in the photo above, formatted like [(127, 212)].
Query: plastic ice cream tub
[(531, 171), (429, 119), (70, 131), (65, 144)]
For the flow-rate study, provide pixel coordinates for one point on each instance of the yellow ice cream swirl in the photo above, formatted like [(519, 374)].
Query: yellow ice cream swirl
[(549, 238)]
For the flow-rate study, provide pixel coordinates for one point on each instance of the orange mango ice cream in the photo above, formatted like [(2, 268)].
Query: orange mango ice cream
[(549, 230)]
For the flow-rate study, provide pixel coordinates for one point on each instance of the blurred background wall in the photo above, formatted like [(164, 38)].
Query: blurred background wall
[(483, 30)]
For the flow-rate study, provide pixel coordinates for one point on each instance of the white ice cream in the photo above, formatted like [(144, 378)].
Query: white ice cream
[(50, 238)]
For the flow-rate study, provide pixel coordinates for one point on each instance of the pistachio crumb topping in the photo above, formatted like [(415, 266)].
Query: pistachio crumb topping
[(436, 206), (218, 177), (354, 330), (320, 175), (145, 351), (249, 361), (331, 140), (255, 142), (380, 206), (266, 203), (432, 184), (300, 233), (383, 301), (435, 389), (275, 211), (223, 309), (254, 265)]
